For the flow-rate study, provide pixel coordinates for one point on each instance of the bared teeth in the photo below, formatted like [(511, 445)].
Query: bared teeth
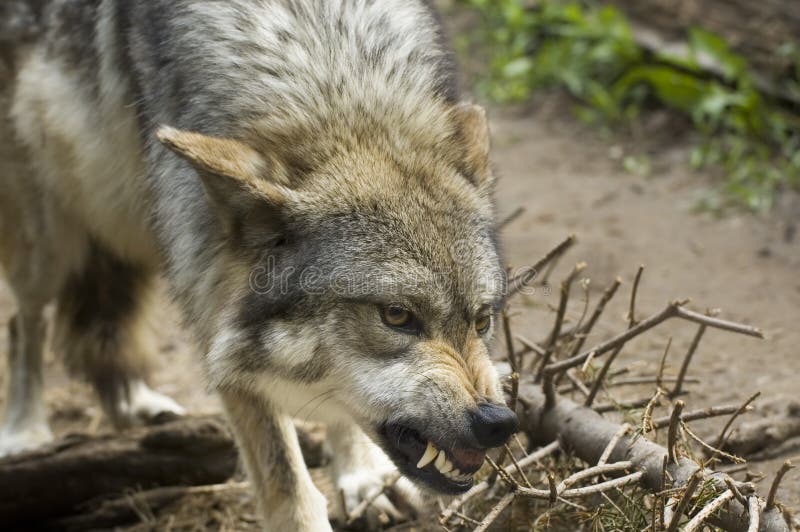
[(428, 456), (448, 466), (457, 475), (441, 463), (440, 460)]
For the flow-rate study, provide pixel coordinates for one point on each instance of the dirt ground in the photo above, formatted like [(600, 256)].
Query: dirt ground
[(570, 180)]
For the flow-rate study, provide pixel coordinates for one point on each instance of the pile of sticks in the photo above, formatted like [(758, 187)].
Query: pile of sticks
[(554, 385)]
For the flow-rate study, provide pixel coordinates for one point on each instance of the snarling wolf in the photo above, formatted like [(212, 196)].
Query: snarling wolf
[(305, 176)]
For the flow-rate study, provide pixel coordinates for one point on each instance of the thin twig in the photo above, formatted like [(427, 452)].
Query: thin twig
[(576, 329), (632, 306), (723, 436), (672, 310), (632, 381), (687, 360), (661, 366), (669, 311), (735, 490), (672, 435), (603, 486), (512, 359), (598, 311), (622, 405), (466, 518), (550, 345), (634, 291), (529, 345), (648, 379), (600, 469), (612, 443), (683, 503), (532, 458), (553, 493), (773, 490), (495, 512), (520, 281), (519, 211), (719, 324), (694, 415), (647, 417), (549, 392), (601, 377), (516, 465), (754, 509), (708, 447), (577, 383), (505, 475), (659, 500), (698, 520)]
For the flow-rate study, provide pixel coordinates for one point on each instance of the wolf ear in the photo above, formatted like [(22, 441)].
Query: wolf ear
[(239, 181), (473, 132)]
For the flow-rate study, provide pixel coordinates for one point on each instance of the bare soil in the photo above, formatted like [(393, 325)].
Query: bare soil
[(570, 180)]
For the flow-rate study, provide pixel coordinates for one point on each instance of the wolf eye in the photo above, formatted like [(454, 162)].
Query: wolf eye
[(483, 323), (398, 317)]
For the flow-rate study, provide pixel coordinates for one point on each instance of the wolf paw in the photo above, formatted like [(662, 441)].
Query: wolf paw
[(146, 406), (362, 485), (18, 440)]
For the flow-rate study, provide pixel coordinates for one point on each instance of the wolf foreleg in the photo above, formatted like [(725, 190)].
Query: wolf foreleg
[(285, 494), (25, 425), (360, 470)]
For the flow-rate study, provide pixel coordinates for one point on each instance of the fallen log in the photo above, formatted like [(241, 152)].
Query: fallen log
[(63, 478), (110, 513), (587, 434), (58, 479)]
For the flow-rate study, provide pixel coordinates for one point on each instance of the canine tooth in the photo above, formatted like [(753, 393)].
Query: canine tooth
[(428, 456), (448, 467), (456, 473), (440, 460)]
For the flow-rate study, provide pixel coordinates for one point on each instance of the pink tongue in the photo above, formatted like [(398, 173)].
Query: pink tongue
[(467, 460)]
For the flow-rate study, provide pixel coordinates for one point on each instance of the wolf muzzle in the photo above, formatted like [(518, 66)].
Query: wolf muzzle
[(447, 460)]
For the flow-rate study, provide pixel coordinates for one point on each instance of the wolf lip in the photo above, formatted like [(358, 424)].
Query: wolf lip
[(444, 469)]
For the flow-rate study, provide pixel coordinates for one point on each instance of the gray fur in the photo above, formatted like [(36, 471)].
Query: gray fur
[(320, 167)]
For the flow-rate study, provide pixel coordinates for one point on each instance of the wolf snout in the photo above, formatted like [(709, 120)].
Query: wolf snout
[(493, 424)]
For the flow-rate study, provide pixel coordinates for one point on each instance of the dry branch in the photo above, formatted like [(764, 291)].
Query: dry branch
[(523, 279), (672, 310), (666, 472), (587, 434)]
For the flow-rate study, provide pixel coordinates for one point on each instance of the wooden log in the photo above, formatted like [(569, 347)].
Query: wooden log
[(58, 479), (587, 434), (61, 479)]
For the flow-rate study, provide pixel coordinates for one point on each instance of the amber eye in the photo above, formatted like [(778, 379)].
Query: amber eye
[(483, 323), (397, 316)]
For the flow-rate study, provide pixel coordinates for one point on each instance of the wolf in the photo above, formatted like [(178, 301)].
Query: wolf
[(319, 198)]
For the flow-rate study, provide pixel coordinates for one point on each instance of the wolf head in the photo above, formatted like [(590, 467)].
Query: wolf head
[(369, 281)]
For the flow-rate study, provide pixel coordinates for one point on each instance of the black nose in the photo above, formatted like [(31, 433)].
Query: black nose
[(493, 424)]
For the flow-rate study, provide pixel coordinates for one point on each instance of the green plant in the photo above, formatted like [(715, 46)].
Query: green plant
[(591, 52)]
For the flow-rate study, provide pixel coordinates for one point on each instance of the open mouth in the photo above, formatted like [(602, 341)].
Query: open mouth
[(446, 469)]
